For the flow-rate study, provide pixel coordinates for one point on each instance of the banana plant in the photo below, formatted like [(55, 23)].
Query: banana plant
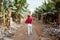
[(45, 8), (1, 1), (3, 13), (19, 4), (57, 4)]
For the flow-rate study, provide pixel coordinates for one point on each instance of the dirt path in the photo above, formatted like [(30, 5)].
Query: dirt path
[(21, 34)]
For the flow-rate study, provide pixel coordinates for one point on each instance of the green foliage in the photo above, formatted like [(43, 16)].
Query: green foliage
[(46, 8), (57, 4), (55, 1), (1, 1), (34, 15), (18, 6), (15, 5)]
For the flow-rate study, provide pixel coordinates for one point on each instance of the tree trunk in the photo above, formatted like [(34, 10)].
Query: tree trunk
[(3, 13), (19, 18), (42, 18), (8, 19), (59, 17), (8, 22), (37, 16)]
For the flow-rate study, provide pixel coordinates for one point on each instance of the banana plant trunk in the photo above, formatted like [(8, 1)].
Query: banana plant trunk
[(19, 18), (59, 17), (37, 16), (9, 19), (42, 18), (3, 13)]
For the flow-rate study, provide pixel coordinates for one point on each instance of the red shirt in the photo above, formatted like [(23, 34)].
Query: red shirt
[(28, 20)]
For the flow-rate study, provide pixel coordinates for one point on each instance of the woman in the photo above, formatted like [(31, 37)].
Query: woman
[(29, 24)]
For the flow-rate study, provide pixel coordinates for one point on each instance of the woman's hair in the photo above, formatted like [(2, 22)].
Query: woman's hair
[(28, 15)]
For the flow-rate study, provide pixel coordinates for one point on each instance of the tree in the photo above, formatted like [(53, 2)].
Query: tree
[(19, 4), (56, 3), (57, 6), (15, 5), (46, 8)]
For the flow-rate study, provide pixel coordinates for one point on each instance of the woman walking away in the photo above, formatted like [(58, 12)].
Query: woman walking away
[(29, 24)]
